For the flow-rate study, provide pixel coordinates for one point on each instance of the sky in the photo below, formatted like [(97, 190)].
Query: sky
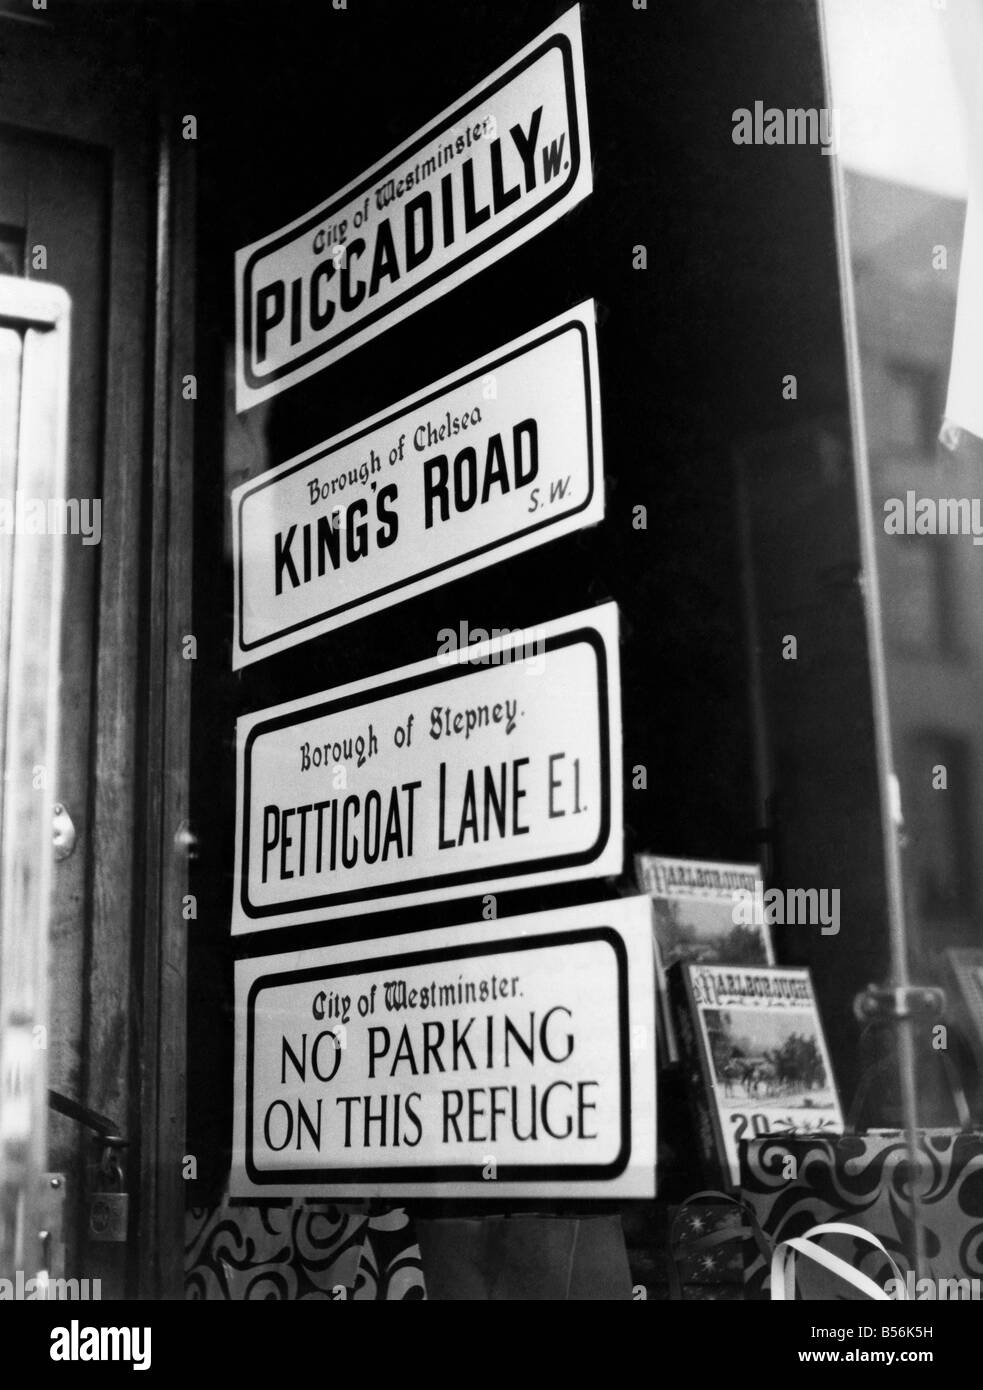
[(893, 77)]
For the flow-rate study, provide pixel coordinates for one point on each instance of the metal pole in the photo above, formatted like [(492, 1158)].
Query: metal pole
[(873, 614)]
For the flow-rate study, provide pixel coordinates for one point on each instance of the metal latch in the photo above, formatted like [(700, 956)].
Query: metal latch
[(888, 1004), (63, 835), (109, 1202)]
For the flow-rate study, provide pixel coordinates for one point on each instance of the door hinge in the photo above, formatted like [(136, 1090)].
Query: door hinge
[(51, 1226)]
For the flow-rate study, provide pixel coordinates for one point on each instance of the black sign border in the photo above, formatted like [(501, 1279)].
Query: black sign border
[(533, 1172), (590, 636), (552, 520), (558, 41)]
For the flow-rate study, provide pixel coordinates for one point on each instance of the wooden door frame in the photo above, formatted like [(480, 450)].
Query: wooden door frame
[(55, 85), (169, 839)]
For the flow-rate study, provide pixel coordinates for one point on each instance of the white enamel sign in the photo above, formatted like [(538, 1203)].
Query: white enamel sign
[(497, 458), (488, 766), (482, 178), (498, 1059)]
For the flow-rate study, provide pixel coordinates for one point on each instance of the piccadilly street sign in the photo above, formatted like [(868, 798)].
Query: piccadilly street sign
[(482, 178)]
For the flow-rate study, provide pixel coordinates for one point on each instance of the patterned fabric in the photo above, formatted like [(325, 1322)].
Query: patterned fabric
[(712, 1293), (297, 1251), (866, 1180), (702, 1261)]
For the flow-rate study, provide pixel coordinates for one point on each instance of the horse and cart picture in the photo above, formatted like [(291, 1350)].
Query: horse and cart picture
[(767, 1058), (752, 1041)]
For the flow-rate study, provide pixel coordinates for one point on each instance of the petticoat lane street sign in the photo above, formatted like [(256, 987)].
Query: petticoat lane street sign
[(496, 765)]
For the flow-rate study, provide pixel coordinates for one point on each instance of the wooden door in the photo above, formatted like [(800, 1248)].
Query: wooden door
[(87, 204), (33, 399)]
